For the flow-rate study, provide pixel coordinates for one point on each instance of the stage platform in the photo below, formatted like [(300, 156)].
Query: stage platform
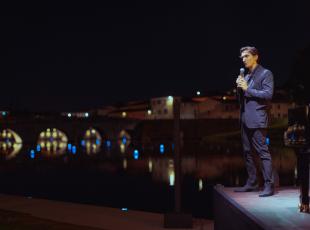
[(245, 211)]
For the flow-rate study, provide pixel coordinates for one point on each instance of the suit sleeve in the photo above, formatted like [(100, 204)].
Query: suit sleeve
[(267, 88)]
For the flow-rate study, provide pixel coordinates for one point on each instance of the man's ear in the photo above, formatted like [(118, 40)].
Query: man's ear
[(256, 57)]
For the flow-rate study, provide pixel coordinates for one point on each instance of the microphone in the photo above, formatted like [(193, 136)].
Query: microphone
[(239, 90), (242, 70)]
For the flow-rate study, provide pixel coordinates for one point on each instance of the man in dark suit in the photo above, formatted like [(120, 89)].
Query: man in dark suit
[(255, 92)]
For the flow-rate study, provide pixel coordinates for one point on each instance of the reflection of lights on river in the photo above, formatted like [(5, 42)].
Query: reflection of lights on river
[(10, 143), (92, 141), (171, 173), (200, 184), (122, 148), (150, 165), (136, 154), (125, 163), (52, 142), (161, 148), (124, 140)]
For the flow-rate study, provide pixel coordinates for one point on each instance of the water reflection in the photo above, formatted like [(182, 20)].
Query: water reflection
[(124, 163), (92, 141), (53, 142), (124, 140), (200, 185), (10, 143), (150, 165), (171, 172), (228, 169)]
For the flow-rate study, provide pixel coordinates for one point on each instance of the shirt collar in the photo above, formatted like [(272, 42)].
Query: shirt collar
[(254, 70)]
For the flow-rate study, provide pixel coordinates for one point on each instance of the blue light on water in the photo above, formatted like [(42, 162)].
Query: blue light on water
[(124, 140), (108, 143), (125, 209), (69, 147), (83, 143), (32, 154), (38, 148), (161, 148), (172, 146), (74, 149), (293, 137), (267, 140), (97, 142), (136, 154)]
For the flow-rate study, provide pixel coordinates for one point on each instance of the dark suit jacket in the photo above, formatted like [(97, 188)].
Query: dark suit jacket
[(255, 102)]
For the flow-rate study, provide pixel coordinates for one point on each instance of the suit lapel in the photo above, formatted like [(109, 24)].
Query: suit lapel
[(255, 74)]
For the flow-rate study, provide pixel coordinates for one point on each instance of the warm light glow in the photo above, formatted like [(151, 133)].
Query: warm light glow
[(52, 143), (124, 114), (69, 115), (149, 112), (171, 173), (88, 133), (200, 184), (125, 163), (171, 177), (198, 93), (170, 100), (224, 98), (92, 141), (150, 165), (10, 143), (122, 148), (124, 140)]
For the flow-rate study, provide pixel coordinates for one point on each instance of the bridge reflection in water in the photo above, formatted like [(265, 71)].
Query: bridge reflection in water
[(104, 169)]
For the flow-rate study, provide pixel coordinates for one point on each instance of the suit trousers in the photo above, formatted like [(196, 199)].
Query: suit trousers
[(255, 139)]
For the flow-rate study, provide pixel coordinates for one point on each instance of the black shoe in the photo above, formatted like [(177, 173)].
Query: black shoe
[(247, 188), (268, 191)]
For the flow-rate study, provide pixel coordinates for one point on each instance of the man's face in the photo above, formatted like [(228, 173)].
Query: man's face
[(248, 59)]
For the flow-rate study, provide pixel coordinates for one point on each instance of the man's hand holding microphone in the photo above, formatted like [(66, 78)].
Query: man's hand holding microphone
[(241, 82)]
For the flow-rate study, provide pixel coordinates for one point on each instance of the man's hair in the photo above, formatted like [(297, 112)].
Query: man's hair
[(251, 49)]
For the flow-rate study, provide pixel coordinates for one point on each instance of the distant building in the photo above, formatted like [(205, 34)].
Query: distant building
[(209, 107), (131, 110), (280, 105), (161, 108)]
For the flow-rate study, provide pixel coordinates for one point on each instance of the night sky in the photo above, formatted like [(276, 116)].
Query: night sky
[(82, 55)]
